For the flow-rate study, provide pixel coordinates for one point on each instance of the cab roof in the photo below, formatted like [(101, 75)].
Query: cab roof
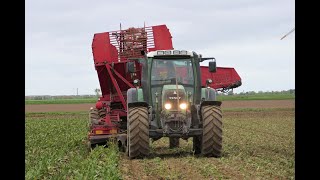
[(169, 52)]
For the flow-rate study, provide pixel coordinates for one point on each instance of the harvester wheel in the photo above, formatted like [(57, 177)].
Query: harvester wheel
[(102, 112), (93, 116), (174, 142), (211, 140), (138, 132)]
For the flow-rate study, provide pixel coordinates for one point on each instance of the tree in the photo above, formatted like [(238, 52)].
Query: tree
[(97, 91)]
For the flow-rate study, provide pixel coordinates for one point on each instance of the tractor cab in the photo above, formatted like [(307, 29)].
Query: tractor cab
[(171, 79)]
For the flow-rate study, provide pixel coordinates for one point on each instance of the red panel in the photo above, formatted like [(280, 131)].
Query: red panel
[(104, 81), (162, 38), (102, 50), (224, 77)]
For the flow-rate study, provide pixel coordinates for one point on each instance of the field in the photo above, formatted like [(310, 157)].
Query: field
[(62, 101), (225, 104), (220, 98), (258, 144)]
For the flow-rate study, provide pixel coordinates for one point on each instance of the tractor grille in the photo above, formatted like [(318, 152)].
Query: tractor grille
[(172, 98)]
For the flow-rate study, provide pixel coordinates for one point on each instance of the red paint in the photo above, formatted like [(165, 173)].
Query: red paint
[(222, 78), (99, 105), (162, 38)]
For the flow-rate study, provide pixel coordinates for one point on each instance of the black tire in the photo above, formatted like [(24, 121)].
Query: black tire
[(102, 112), (138, 132), (173, 142), (93, 116), (211, 141)]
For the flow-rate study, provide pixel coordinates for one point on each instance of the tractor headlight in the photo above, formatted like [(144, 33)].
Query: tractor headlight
[(183, 106), (167, 106)]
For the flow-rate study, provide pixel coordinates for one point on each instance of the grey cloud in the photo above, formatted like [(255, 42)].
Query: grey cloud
[(244, 34)]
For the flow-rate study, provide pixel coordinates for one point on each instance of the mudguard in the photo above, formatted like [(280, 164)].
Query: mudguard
[(208, 94), (135, 98)]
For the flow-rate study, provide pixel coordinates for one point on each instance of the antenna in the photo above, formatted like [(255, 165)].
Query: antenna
[(288, 33)]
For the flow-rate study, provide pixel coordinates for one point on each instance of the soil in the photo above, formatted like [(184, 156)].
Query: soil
[(225, 104)]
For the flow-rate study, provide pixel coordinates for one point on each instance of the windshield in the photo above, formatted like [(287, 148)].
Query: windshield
[(168, 71)]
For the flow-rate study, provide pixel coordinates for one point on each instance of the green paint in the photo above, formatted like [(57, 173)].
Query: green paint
[(140, 95), (203, 93)]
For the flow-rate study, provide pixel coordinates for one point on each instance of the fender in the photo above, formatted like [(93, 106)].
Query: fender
[(135, 98), (208, 94)]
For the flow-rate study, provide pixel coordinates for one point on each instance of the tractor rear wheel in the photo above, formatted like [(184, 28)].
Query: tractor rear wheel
[(173, 142), (138, 132), (211, 140)]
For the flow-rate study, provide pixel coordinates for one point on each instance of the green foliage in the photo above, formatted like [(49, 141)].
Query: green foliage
[(62, 101), (255, 97), (56, 149), (257, 144)]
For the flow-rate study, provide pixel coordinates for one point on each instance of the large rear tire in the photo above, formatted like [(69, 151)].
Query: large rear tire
[(138, 132), (173, 142), (211, 141)]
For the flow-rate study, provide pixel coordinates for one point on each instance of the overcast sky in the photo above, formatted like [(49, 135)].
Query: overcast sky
[(244, 34)]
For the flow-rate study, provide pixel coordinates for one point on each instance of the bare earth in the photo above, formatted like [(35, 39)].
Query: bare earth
[(225, 104)]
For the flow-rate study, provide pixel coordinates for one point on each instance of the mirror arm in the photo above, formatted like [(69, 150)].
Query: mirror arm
[(204, 59)]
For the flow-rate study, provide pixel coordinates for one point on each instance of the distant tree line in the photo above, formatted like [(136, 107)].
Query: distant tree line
[(98, 91), (97, 94), (48, 97), (290, 91)]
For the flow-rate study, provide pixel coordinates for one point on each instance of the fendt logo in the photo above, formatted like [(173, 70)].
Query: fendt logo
[(174, 97)]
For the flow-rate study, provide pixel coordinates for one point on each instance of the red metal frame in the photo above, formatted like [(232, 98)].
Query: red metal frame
[(224, 77), (117, 87), (123, 79)]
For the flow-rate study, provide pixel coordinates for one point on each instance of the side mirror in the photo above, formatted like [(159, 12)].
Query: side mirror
[(130, 67), (212, 66)]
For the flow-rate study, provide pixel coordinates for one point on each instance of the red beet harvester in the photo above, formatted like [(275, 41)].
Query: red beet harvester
[(151, 90)]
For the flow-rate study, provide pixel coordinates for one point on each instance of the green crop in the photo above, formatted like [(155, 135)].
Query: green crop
[(56, 148)]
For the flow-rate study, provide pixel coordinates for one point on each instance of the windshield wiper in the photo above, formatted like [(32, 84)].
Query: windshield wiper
[(164, 79)]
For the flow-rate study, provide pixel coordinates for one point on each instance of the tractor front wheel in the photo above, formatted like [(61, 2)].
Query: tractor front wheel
[(211, 140), (138, 132)]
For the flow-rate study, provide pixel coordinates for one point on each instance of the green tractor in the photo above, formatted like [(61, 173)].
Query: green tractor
[(169, 101)]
